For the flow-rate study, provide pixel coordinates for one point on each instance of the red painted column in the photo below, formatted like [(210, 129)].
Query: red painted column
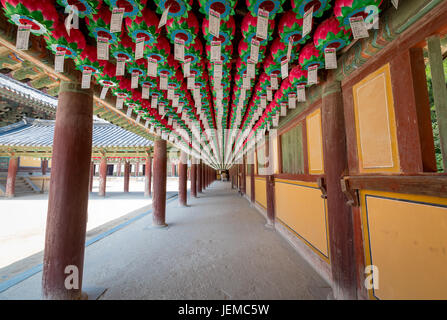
[(193, 175), (44, 166), (202, 176), (102, 176), (340, 222), (159, 197), (252, 183), (68, 195), (148, 174), (126, 175), (270, 186), (137, 169), (90, 184), (182, 181), (243, 180), (11, 179), (199, 177)]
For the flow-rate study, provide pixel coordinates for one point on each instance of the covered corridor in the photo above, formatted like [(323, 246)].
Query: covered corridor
[(209, 250)]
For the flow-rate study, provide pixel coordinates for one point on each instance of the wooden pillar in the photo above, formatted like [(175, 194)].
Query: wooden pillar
[(439, 91), (118, 171), (68, 195), (202, 176), (159, 196), (126, 176), (92, 171), (44, 166), (102, 176), (199, 177), (270, 185), (137, 169), (11, 179), (172, 170), (339, 214), (148, 174), (182, 181), (252, 183), (193, 175)]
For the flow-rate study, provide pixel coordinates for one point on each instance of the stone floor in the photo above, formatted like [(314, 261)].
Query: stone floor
[(217, 248)]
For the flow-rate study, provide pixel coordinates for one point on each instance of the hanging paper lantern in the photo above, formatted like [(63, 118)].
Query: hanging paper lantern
[(107, 77), (41, 15), (85, 7), (291, 27), (329, 34), (87, 60), (71, 44), (132, 8), (271, 67), (310, 56), (168, 67), (123, 49), (279, 50), (177, 8), (145, 26), (272, 6), (99, 25), (159, 51), (185, 29), (346, 9), (225, 55), (248, 29), (226, 31), (123, 90), (298, 76), (224, 7), (302, 6)]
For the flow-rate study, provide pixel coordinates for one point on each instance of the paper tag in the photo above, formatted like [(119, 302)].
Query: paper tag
[(263, 102), (154, 102), (307, 21), (289, 49), (180, 107), (138, 118), (139, 48), (330, 57), (218, 70), (191, 84), (262, 24), (179, 49), (152, 67), (217, 83), (214, 23), (395, 3), (358, 27), (146, 124), (301, 93), (170, 92), (134, 79), (175, 100), (104, 91), (116, 21), (103, 48), (246, 82), (215, 51), (292, 100), (243, 94), (86, 79), (274, 82), (312, 75), (164, 18), (219, 96), (251, 69), (146, 91), (119, 102), (22, 40), (163, 82), (187, 68), (284, 69), (120, 66), (269, 94), (129, 111), (161, 108), (59, 59), (254, 50)]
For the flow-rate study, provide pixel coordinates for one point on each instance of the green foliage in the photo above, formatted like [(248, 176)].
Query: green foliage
[(434, 121)]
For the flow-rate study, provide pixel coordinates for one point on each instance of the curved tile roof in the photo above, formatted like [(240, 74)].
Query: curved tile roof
[(39, 133)]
